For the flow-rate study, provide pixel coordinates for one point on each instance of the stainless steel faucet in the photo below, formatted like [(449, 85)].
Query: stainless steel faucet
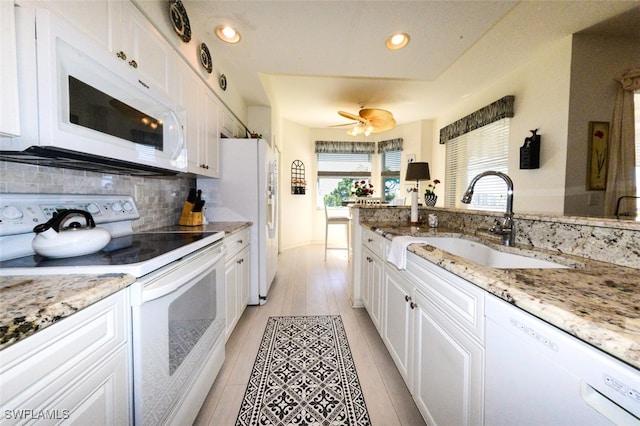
[(506, 228)]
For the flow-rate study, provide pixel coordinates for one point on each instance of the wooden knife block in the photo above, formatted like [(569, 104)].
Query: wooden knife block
[(188, 217)]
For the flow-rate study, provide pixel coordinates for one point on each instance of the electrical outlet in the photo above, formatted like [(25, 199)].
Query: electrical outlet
[(138, 193)]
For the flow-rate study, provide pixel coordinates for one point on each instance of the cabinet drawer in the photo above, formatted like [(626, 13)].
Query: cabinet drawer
[(235, 242), (37, 367), (375, 242), (460, 300)]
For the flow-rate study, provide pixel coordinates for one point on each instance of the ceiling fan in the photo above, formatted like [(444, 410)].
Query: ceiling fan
[(369, 120)]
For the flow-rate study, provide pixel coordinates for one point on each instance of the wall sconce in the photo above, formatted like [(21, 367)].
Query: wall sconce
[(416, 171)]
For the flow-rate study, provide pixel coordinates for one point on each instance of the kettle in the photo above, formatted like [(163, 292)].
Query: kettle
[(74, 240)]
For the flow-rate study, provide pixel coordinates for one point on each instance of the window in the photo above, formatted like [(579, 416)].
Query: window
[(391, 174), (485, 148), (337, 172)]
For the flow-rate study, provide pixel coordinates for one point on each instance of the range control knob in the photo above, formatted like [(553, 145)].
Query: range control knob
[(116, 207), (127, 206), (93, 208), (11, 213)]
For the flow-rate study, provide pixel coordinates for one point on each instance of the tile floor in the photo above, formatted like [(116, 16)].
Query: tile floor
[(306, 285)]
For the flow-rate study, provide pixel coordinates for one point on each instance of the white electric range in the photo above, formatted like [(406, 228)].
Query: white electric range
[(177, 301)]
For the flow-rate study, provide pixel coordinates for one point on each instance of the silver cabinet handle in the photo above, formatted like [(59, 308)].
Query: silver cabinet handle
[(122, 55), (133, 63), (413, 305), (407, 298)]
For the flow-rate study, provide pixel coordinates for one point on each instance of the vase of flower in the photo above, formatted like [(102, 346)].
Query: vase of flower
[(362, 189), (430, 197)]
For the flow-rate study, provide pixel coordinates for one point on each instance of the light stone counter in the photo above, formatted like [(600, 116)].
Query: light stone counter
[(31, 303), (595, 301)]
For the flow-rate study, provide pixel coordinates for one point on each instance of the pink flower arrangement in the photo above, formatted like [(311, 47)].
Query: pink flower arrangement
[(362, 189)]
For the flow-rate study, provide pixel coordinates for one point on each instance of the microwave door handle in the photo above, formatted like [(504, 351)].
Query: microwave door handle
[(180, 146)]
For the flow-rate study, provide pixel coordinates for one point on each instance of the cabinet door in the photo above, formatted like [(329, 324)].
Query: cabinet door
[(231, 294), (397, 320), (92, 18), (137, 42), (375, 296), (447, 376), (365, 274), (191, 88), (211, 135), (244, 279), (9, 108)]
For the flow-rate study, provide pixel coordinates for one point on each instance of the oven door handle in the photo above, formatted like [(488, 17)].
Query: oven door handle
[(181, 275)]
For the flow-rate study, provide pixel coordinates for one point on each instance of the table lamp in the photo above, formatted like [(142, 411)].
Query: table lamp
[(416, 171)]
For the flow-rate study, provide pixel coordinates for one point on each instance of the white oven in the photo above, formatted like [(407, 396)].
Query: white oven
[(86, 109), (179, 323)]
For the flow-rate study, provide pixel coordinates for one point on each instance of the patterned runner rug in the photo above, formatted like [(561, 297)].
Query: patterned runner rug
[(304, 375)]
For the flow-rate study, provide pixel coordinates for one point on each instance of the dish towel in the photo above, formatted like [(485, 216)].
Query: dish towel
[(398, 251)]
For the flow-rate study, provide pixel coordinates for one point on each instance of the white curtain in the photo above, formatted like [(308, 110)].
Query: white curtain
[(621, 179)]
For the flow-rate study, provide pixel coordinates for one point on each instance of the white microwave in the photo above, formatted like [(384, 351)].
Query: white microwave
[(82, 108)]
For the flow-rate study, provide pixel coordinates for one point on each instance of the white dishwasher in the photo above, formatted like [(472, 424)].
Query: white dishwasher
[(536, 374)]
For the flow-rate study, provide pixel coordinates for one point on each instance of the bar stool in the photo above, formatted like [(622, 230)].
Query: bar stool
[(342, 217)]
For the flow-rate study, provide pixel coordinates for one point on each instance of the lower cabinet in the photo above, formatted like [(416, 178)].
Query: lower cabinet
[(372, 267), (447, 379), (432, 323), (237, 277), (76, 371)]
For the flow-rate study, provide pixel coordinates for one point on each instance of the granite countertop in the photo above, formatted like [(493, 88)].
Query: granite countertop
[(31, 303), (595, 301)]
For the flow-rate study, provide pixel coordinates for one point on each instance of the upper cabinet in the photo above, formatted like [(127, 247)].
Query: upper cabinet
[(139, 44), (202, 124), (9, 111)]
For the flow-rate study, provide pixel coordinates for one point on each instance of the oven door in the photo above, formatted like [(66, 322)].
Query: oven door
[(178, 328)]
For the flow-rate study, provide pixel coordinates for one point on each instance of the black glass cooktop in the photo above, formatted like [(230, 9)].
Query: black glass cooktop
[(129, 249)]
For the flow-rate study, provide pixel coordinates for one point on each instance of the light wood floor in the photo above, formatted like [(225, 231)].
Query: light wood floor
[(307, 285)]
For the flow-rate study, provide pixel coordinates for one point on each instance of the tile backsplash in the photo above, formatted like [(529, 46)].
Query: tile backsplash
[(159, 199)]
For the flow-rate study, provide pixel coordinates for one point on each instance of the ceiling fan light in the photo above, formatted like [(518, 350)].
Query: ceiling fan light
[(397, 41), (354, 131), (368, 130), (227, 34)]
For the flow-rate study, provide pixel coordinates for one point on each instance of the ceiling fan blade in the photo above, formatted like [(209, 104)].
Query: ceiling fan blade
[(346, 124), (352, 116), (381, 120)]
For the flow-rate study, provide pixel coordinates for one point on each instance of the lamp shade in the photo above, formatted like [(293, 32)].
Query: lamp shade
[(418, 171)]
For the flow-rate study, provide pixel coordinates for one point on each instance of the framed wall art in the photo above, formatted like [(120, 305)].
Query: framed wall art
[(598, 155)]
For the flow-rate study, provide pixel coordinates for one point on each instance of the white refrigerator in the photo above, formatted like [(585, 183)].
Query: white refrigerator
[(247, 190)]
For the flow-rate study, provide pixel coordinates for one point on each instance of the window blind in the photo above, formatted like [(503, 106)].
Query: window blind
[(486, 148)]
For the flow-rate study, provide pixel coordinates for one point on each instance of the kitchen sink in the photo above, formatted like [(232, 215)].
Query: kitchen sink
[(487, 256)]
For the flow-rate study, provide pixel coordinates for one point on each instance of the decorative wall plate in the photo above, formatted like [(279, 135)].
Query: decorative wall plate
[(205, 58), (180, 20), (223, 82)]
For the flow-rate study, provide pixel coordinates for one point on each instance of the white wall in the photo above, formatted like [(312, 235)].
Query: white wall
[(541, 89)]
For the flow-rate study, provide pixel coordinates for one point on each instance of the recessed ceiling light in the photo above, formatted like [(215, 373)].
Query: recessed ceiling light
[(397, 41), (227, 34)]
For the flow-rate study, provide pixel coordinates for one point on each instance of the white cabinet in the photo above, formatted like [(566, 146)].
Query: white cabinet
[(9, 110), (432, 323), (141, 46), (397, 320), (374, 252), (203, 143), (448, 372), (227, 123), (237, 279), (76, 370)]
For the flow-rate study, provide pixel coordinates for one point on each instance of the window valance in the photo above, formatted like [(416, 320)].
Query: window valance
[(502, 108), (390, 145), (333, 147)]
